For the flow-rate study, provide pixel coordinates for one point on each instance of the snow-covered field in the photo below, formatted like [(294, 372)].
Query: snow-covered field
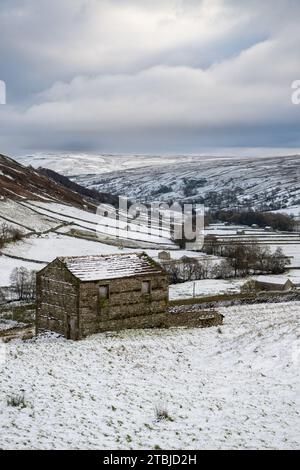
[(234, 388), (292, 274), (51, 223), (24, 217), (86, 163), (294, 210), (103, 225), (290, 250), (205, 287), (45, 248), (212, 287), (49, 247)]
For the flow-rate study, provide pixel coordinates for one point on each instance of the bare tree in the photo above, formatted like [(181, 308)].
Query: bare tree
[(174, 272), (279, 262), (250, 287), (23, 283), (222, 270), (4, 231), (204, 268), (190, 268)]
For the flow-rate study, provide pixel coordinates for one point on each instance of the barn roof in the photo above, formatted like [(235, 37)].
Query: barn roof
[(105, 267), (278, 281)]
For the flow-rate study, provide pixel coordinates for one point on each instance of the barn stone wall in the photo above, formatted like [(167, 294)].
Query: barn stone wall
[(57, 301), (202, 319), (125, 302), (75, 309), (273, 287)]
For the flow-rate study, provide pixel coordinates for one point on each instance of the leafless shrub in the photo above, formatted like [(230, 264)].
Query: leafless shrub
[(9, 234), (250, 287), (162, 414), (17, 401)]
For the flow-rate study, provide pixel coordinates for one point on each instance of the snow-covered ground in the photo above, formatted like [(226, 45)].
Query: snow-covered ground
[(205, 287), (231, 388), (49, 247), (46, 248), (211, 287), (54, 222), (100, 224), (290, 250), (24, 217), (86, 163), (294, 210), (292, 274)]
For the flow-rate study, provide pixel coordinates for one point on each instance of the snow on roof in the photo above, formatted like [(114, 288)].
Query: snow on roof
[(273, 280), (96, 268)]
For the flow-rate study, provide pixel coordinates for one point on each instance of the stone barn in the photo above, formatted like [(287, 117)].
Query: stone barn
[(79, 296), (274, 284)]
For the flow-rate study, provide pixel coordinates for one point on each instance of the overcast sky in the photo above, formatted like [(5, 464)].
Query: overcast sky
[(149, 75)]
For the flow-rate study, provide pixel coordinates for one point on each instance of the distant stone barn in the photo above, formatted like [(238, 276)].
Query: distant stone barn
[(79, 296), (274, 284)]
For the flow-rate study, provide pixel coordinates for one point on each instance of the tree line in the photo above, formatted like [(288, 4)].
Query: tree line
[(239, 260), (277, 221), (244, 259)]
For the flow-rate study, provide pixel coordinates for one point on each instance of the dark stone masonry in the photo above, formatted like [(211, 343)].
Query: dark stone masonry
[(77, 297), (81, 296)]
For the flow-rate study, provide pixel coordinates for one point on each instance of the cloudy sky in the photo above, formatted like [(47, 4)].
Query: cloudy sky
[(149, 75)]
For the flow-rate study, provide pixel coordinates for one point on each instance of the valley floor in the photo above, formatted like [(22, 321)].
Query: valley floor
[(235, 387)]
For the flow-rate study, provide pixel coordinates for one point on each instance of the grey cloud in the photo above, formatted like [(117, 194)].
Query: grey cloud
[(137, 75)]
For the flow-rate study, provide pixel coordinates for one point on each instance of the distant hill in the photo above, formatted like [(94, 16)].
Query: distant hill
[(77, 188), (18, 182), (262, 183)]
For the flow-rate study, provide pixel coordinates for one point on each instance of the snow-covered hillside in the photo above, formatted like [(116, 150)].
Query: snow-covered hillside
[(85, 163), (53, 227), (51, 230), (18, 182), (266, 182), (234, 388)]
